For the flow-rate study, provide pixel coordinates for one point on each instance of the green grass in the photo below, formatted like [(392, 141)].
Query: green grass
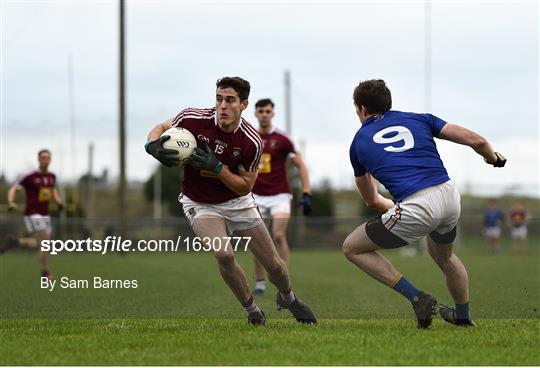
[(182, 314), (232, 342)]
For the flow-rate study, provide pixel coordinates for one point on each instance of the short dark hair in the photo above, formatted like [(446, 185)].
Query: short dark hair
[(373, 95), (264, 102), (44, 150), (241, 86)]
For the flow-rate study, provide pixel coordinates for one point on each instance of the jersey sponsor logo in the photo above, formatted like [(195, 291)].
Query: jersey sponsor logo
[(44, 194), (265, 166), (208, 174), (517, 218), (221, 143), (395, 134)]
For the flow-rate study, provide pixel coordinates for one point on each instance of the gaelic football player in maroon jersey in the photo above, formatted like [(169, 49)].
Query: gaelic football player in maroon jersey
[(518, 221), (39, 186), (217, 197), (271, 190)]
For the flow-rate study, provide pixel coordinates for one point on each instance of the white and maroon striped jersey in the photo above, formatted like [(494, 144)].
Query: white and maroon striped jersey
[(241, 148)]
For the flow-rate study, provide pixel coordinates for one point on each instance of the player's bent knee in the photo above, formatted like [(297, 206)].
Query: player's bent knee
[(225, 259), (443, 261), (348, 247), (275, 266), (279, 238)]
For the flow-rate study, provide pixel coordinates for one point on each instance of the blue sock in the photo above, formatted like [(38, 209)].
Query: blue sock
[(462, 312), (407, 289)]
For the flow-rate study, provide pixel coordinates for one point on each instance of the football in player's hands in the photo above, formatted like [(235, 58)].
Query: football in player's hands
[(181, 141)]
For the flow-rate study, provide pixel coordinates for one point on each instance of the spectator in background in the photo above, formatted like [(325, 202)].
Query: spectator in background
[(493, 219), (518, 221)]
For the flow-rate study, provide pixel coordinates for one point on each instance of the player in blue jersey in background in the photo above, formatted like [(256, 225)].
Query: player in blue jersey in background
[(493, 219), (398, 149)]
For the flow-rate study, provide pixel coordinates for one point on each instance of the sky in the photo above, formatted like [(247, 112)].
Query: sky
[(484, 76)]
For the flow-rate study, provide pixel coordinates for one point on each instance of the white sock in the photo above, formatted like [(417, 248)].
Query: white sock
[(288, 297), (260, 284), (250, 306)]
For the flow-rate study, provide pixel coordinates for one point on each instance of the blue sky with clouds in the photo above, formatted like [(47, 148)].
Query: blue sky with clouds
[(484, 76)]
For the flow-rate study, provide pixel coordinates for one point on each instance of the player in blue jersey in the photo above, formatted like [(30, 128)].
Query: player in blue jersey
[(398, 149), (493, 219)]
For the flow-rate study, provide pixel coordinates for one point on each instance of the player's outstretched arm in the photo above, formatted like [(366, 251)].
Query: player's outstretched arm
[(304, 181), (458, 134), (302, 172), (58, 199), (11, 195), (368, 189)]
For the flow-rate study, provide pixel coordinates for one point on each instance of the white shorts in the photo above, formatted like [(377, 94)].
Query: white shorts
[(239, 213), (37, 223), (519, 232), (431, 211), (278, 203), (492, 232)]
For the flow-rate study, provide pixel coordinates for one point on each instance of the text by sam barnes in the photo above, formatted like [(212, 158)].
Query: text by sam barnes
[(94, 283)]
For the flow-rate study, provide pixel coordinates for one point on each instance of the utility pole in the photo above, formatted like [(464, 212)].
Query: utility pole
[(299, 220), (74, 202), (90, 187), (427, 57), (288, 102), (427, 77), (122, 127), (157, 194), (71, 96)]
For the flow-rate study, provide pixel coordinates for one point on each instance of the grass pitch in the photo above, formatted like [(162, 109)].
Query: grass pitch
[(281, 342), (182, 314)]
